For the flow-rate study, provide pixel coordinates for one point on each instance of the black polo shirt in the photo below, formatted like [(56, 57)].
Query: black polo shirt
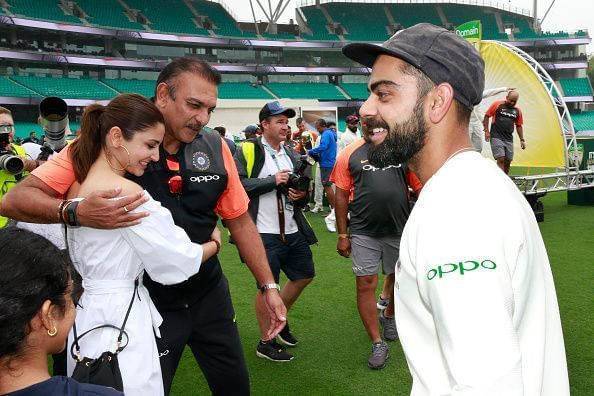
[(211, 187)]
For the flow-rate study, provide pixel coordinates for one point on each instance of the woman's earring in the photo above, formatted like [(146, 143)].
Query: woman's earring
[(53, 333)]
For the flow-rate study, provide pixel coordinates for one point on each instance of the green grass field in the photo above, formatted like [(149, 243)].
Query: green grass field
[(331, 358)]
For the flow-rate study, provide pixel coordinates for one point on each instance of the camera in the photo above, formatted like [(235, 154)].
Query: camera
[(53, 118), (297, 180), (9, 162)]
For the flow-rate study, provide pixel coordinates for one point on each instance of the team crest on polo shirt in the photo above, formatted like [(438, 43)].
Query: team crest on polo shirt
[(200, 161)]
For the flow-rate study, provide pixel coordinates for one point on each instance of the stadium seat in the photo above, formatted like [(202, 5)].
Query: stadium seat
[(583, 121), (145, 88), (225, 24), (576, 86), (13, 89), (457, 14), (411, 14), (108, 13), (41, 9), (175, 17), (67, 88), (357, 91), (242, 90), (317, 23), (322, 91), (363, 22)]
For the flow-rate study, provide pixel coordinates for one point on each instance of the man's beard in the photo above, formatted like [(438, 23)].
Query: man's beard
[(403, 140), (353, 129)]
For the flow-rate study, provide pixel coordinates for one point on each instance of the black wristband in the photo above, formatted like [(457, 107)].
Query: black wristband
[(71, 211)]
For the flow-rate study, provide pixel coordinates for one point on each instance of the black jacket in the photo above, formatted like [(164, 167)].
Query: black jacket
[(255, 186)]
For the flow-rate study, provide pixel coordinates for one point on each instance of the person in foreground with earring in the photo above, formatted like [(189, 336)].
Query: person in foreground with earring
[(118, 139), (36, 313)]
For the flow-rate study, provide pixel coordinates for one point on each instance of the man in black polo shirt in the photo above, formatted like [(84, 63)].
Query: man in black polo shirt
[(196, 179), (377, 200), (505, 116)]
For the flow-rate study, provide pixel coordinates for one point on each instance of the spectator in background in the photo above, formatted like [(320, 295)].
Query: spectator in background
[(506, 115), (251, 131), (476, 126), (8, 179), (377, 200), (265, 165), (351, 133), (32, 138), (325, 154), (36, 314), (230, 142)]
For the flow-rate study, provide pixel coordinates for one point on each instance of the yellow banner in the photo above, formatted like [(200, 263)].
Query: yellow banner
[(542, 128)]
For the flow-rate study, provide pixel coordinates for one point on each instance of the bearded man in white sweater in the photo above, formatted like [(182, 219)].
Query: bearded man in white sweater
[(475, 302)]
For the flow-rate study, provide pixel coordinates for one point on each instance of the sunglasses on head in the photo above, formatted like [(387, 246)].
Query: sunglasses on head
[(175, 182)]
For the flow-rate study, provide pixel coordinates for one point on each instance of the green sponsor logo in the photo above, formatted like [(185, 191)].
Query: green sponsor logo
[(470, 30), (460, 268)]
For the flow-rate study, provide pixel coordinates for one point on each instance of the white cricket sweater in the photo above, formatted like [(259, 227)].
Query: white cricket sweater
[(476, 307)]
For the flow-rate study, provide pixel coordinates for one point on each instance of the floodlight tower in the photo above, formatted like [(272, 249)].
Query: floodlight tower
[(271, 16)]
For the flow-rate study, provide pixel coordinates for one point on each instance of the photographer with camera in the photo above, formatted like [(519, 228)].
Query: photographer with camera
[(277, 179), (13, 159)]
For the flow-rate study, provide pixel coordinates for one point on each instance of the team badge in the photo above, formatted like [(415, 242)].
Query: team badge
[(200, 161)]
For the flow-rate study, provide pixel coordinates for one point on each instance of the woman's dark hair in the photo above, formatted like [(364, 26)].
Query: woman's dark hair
[(130, 112), (33, 271)]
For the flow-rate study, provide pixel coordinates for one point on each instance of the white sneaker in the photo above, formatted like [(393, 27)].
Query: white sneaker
[(330, 223), (332, 215), (317, 209)]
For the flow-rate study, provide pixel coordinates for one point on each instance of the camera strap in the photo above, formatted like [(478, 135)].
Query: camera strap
[(280, 198), (281, 215)]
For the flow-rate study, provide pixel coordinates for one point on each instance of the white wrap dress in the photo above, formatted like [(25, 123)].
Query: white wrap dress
[(109, 261)]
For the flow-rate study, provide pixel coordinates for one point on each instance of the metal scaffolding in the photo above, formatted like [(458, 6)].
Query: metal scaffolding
[(572, 178)]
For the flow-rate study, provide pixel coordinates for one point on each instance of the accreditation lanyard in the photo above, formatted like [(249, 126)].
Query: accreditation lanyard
[(273, 154)]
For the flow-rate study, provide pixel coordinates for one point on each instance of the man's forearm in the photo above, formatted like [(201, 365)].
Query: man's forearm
[(31, 200), (520, 131), (341, 209), (250, 246)]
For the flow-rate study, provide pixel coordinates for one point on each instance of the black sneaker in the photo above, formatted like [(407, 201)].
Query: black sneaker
[(271, 350), (286, 337)]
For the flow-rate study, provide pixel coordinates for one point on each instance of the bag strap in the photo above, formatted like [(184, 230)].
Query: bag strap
[(122, 330)]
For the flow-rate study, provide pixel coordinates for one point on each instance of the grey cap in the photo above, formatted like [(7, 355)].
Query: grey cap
[(439, 53)]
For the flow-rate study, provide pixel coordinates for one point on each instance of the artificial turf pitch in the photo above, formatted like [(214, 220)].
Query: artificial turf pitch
[(331, 358)]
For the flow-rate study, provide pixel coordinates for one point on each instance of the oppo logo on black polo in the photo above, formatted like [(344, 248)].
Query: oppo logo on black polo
[(204, 179), (460, 268)]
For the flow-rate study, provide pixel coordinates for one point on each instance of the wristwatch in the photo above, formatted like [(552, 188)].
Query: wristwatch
[(269, 286)]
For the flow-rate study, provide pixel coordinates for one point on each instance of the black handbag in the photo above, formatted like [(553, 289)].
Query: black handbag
[(104, 370)]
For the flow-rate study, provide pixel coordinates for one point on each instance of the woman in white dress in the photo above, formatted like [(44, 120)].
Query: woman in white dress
[(124, 137)]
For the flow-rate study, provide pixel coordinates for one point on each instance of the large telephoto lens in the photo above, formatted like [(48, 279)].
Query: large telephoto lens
[(53, 113)]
